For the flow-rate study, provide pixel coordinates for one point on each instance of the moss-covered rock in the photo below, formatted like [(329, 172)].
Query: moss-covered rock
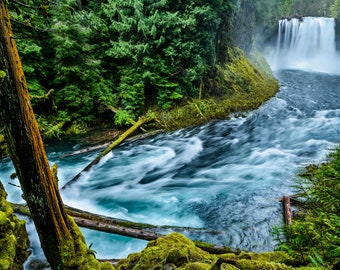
[(13, 236), (76, 254), (176, 252), (197, 266), (245, 264)]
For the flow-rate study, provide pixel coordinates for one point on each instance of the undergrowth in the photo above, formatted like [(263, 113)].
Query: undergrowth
[(314, 236)]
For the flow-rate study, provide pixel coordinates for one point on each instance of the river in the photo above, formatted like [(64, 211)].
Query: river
[(226, 176)]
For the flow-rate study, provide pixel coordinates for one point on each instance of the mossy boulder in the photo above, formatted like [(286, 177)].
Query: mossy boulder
[(13, 236), (173, 251), (245, 264), (176, 252)]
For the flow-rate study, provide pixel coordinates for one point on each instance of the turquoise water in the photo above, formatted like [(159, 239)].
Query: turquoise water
[(225, 176)]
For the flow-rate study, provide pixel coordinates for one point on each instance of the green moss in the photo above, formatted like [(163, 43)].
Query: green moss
[(197, 266), (226, 266), (75, 253), (4, 264), (277, 256), (3, 75), (13, 236), (244, 264), (243, 85), (173, 249), (257, 59), (3, 145), (3, 218)]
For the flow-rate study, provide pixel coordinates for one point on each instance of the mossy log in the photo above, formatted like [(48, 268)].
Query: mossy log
[(109, 148), (128, 228)]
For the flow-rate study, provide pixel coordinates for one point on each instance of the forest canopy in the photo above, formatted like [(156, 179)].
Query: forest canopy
[(82, 57)]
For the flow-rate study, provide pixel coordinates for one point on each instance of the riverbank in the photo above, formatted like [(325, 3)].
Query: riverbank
[(244, 84), (247, 83)]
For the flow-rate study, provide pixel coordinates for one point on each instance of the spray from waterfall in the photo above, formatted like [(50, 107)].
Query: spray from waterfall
[(306, 44)]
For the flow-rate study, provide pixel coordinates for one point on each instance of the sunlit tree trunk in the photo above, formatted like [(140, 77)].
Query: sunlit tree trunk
[(28, 154)]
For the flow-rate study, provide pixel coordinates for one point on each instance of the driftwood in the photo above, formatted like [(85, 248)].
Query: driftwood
[(100, 146), (127, 228), (86, 150), (287, 213), (108, 149)]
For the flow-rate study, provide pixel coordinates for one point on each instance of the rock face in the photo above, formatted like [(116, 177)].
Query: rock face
[(175, 251), (13, 236), (244, 25)]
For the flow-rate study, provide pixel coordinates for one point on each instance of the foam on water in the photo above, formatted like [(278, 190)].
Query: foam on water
[(225, 176)]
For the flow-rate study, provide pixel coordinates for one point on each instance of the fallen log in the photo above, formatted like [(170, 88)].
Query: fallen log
[(108, 149), (115, 229), (96, 218), (100, 146), (85, 150), (128, 228)]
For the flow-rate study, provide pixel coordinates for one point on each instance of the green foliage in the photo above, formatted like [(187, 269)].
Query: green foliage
[(82, 87), (231, 93), (13, 236), (335, 9), (131, 90), (122, 118), (132, 55), (268, 12), (315, 235), (172, 43)]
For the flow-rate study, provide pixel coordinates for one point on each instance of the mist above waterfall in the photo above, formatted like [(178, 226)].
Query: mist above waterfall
[(306, 44)]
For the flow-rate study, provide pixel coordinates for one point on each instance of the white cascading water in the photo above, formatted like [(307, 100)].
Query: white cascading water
[(307, 44)]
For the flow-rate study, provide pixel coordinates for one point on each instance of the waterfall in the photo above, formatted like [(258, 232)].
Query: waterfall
[(307, 44)]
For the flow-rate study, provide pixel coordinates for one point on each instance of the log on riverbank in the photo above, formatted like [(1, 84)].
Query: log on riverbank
[(141, 231)]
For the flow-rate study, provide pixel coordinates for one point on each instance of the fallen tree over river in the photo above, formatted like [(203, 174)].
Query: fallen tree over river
[(131, 229)]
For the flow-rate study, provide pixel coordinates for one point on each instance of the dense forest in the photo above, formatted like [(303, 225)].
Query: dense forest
[(83, 58), (105, 63)]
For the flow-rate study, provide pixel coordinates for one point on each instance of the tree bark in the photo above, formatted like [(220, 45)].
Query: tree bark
[(27, 150)]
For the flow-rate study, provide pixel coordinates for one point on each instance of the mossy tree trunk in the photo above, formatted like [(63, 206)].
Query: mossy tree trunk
[(27, 152)]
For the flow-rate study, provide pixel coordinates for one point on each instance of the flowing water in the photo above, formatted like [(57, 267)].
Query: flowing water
[(307, 44), (226, 176)]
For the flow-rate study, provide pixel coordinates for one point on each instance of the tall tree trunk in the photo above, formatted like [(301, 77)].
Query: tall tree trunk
[(27, 152)]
